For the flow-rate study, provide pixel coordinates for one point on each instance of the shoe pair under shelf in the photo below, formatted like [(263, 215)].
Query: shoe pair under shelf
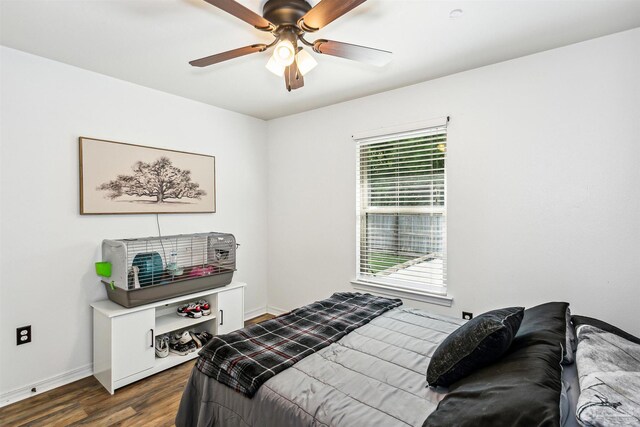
[(181, 343)]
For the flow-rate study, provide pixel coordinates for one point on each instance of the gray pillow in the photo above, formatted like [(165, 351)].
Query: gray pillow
[(477, 343)]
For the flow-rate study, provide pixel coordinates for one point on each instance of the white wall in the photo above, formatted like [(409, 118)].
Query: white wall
[(48, 250), (543, 191), (543, 183)]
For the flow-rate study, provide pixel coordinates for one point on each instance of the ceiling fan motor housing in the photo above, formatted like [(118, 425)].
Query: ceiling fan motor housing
[(285, 12)]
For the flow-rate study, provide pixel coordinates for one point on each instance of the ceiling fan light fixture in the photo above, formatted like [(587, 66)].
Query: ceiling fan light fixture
[(305, 62), (275, 67), (284, 53), (287, 21)]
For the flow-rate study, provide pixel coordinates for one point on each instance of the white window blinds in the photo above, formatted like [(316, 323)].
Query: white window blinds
[(401, 207)]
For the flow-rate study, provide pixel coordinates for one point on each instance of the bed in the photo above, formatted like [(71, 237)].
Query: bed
[(375, 376)]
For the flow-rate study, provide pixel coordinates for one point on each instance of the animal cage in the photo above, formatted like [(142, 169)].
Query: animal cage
[(150, 269)]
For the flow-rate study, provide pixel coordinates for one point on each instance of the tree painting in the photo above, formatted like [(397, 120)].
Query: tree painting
[(160, 180)]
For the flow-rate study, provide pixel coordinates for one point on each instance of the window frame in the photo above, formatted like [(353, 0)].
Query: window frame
[(425, 292)]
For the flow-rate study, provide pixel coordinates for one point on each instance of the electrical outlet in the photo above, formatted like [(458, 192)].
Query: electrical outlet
[(23, 335), (466, 315)]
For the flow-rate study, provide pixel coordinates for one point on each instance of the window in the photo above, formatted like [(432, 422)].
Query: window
[(401, 208)]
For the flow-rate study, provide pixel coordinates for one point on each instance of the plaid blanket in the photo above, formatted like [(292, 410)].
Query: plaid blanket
[(245, 359)]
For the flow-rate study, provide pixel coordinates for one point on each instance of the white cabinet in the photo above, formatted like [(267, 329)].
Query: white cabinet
[(123, 338), (230, 310), (134, 349)]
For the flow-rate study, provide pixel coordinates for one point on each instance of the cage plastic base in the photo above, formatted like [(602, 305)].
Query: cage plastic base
[(149, 294)]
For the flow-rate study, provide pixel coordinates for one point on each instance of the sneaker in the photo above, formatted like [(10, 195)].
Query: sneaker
[(196, 312), (181, 337), (205, 308), (162, 346), (190, 310), (204, 337), (196, 338), (183, 310), (183, 349)]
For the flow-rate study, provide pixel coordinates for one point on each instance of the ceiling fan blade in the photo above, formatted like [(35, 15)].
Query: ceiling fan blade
[(326, 12), (364, 54), (292, 77), (230, 54), (241, 12)]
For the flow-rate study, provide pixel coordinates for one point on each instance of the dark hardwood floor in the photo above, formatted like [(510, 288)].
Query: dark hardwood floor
[(152, 401)]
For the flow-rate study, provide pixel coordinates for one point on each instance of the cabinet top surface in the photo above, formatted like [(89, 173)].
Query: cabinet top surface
[(111, 309)]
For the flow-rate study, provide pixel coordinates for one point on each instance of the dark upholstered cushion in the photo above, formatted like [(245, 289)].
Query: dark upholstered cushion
[(522, 388), (477, 343)]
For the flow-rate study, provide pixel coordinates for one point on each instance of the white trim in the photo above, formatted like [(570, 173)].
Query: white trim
[(56, 381), (411, 294), (255, 312), (276, 310), (405, 127), (435, 210)]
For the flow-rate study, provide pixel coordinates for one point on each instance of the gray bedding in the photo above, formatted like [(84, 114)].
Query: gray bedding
[(375, 376), (569, 398), (609, 374)]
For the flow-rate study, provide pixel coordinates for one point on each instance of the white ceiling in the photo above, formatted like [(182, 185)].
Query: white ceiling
[(149, 42)]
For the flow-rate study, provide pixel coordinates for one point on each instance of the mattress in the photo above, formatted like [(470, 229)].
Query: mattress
[(373, 376)]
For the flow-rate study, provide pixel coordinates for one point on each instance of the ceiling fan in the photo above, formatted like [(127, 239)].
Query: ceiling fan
[(288, 21)]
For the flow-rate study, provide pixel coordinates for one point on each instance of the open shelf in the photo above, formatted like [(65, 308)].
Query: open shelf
[(173, 360), (172, 322)]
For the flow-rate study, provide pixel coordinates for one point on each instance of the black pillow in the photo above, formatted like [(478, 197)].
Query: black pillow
[(475, 344), (521, 389)]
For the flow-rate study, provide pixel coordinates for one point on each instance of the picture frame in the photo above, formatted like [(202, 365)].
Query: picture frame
[(118, 178)]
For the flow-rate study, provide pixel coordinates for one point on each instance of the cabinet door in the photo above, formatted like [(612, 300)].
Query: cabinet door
[(230, 310), (133, 346)]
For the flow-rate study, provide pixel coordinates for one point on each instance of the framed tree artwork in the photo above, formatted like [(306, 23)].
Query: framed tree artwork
[(119, 178)]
